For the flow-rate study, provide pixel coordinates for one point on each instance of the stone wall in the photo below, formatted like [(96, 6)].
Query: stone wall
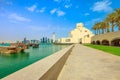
[(107, 36)]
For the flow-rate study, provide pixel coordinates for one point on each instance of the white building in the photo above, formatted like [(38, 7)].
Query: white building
[(79, 35), (53, 37)]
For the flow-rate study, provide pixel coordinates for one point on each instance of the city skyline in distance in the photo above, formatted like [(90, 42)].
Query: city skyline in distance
[(40, 18)]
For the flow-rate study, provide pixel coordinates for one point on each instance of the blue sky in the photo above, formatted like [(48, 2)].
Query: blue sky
[(37, 18)]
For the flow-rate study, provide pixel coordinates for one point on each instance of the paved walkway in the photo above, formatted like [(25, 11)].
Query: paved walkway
[(86, 63)]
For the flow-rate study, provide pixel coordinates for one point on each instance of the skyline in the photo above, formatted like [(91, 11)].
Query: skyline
[(40, 18)]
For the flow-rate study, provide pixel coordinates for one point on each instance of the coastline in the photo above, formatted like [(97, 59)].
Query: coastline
[(44, 69)]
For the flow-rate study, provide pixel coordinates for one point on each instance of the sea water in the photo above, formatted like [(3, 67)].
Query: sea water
[(5, 44), (10, 63)]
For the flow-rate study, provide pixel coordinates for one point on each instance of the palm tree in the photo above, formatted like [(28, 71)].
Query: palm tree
[(111, 18), (102, 26), (117, 11), (98, 24), (107, 26), (95, 29)]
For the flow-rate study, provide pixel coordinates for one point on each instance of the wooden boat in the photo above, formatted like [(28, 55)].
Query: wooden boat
[(35, 45)]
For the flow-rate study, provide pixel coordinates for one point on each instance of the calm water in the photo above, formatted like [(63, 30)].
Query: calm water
[(10, 63), (5, 44)]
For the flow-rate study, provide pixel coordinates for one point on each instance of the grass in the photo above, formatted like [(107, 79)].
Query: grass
[(109, 49)]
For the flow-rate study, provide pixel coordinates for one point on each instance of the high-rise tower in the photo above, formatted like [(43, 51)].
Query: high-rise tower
[(53, 37)]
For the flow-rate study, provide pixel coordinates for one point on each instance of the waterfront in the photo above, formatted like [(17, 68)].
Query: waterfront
[(13, 62)]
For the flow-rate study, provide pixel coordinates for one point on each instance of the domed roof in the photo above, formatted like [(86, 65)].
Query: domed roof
[(79, 25)]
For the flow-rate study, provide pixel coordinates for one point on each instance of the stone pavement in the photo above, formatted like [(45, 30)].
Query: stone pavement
[(85, 63)]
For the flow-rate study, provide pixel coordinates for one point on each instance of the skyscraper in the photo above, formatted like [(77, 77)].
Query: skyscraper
[(25, 40), (53, 37)]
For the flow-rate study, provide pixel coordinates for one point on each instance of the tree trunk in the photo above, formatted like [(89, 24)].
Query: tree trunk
[(112, 27), (119, 25), (95, 32), (105, 30), (102, 31), (99, 31), (108, 30)]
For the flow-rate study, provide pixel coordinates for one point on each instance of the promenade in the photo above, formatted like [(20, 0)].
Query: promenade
[(85, 63)]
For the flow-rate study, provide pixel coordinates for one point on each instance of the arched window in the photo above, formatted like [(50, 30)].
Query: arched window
[(115, 42), (105, 42), (98, 42)]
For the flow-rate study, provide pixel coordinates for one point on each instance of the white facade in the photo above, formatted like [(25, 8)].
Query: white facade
[(79, 35), (53, 37)]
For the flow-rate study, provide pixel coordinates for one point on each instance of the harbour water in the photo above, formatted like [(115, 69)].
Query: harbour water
[(5, 44), (10, 63)]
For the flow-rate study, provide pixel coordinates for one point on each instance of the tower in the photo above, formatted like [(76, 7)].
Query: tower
[(53, 37), (25, 40), (79, 25)]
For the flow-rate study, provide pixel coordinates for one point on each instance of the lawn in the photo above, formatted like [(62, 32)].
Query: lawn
[(109, 49)]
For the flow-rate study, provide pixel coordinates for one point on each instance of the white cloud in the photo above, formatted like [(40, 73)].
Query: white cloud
[(102, 6), (13, 21), (86, 14), (41, 10), (62, 1), (32, 8), (58, 12), (53, 11), (68, 6), (16, 17)]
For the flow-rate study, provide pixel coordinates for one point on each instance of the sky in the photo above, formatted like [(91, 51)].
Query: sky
[(35, 19)]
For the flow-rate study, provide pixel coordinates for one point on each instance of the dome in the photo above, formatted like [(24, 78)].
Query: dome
[(79, 25)]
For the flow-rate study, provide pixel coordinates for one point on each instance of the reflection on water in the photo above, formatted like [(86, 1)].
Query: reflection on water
[(20, 55), (12, 62)]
